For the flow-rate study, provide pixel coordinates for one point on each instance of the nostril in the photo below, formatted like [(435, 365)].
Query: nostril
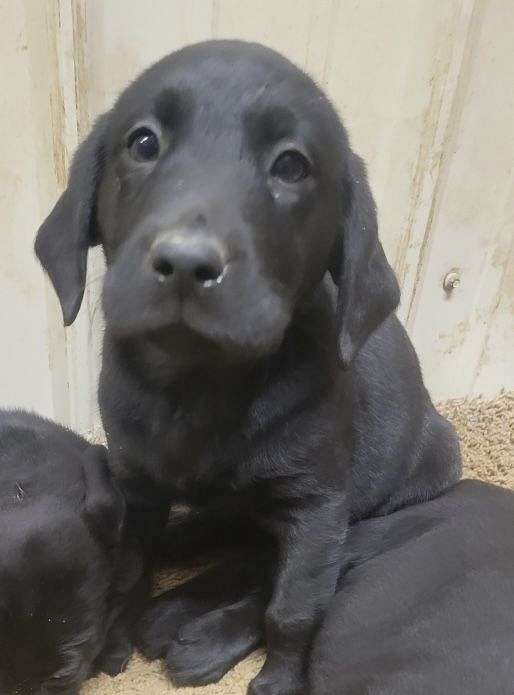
[(163, 266), (207, 273)]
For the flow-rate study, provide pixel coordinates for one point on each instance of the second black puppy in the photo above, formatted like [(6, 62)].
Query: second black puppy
[(223, 189), (64, 571)]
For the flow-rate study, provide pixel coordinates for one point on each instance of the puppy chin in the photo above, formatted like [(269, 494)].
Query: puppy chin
[(197, 338), (141, 324), (246, 346), (249, 339)]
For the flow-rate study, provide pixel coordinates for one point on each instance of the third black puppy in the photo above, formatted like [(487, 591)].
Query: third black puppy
[(65, 571), (427, 607), (225, 195)]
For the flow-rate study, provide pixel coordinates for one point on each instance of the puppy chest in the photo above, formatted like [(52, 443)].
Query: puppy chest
[(186, 449)]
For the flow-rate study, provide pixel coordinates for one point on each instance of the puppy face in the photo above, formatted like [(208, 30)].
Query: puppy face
[(219, 199), (222, 188), (61, 522)]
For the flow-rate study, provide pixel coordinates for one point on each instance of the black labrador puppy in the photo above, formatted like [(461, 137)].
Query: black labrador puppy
[(425, 605), (235, 375), (64, 572)]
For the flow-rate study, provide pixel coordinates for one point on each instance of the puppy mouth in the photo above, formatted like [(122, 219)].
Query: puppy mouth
[(234, 312), (184, 327)]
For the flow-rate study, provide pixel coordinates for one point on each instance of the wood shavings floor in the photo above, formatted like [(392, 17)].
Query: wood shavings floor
[(486, 429)]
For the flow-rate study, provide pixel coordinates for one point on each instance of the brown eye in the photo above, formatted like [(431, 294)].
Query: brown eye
[(143, 145), (291, 167)]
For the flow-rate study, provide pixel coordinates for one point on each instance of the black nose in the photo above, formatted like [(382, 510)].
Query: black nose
[(193, 261)]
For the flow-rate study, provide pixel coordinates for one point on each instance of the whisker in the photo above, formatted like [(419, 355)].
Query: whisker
[(20, 494)]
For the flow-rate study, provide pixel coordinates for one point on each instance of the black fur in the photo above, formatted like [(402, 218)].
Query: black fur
[(65, 569), (232, 396), (427, 606), (424, 606)]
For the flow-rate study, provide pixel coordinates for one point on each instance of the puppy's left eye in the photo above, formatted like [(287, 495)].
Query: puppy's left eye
[(143, 145), (291, 166)]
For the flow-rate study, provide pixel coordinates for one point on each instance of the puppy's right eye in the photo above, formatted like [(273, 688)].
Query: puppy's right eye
[(291, 167), (143, 145)]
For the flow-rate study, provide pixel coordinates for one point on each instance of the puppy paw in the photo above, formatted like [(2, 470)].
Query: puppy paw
[(278, 681), (159, 625), (209, 646), (113, 660), (154, 633)]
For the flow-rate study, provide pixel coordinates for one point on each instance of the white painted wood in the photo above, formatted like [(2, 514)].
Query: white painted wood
[(32, 352), (466, 339), (423, 89)]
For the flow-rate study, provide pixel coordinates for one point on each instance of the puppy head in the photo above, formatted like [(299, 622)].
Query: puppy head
[(55, 578), (222, 188)]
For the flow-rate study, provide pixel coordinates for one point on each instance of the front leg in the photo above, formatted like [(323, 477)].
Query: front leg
[(310, 540), (147, 514), (129, 594)]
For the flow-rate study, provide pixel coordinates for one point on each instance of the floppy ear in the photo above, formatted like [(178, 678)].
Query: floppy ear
[(104, 505), (368, 289), (65, 236)]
